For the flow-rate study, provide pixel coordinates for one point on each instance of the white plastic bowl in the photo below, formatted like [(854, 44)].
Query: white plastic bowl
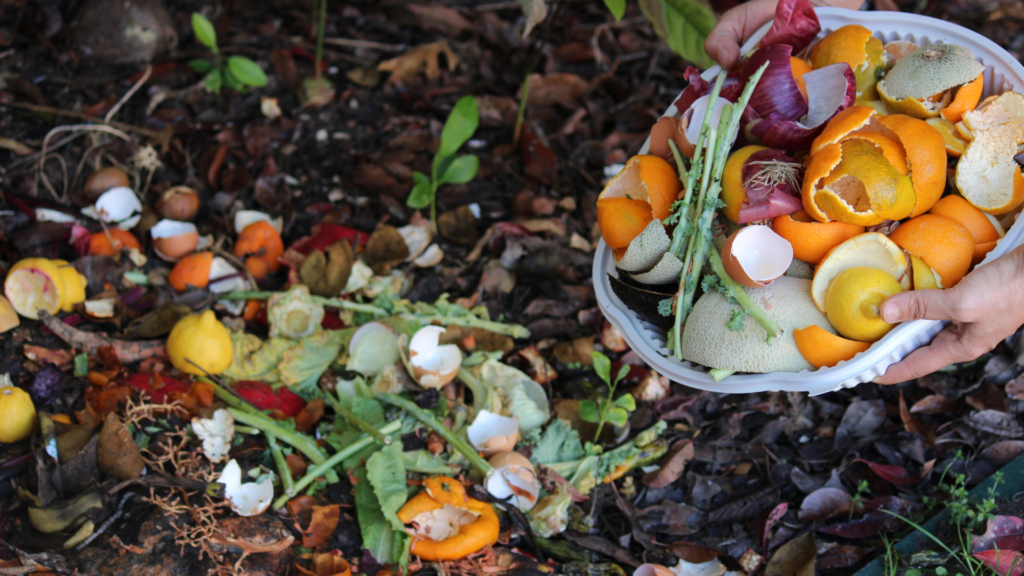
[(648, 341)]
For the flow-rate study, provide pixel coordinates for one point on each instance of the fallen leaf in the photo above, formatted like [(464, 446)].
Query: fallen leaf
[(23, 150), (1005, 450), (438, 18), (692, 553), (556, 88), (770, 520), (579, 350), (1001, 533), (898, 475), (823, 504), (995, 422), (385, 249), (406, 68), (117, 452), (458, 225), (988, 397), (794, 558), (157, 323), (326, 272), (321, 526), (672, 518), (61, 358), (745, 508), (1002, 562), (284, 68), (606, 547), (862, 418), (934, 404), (877, 520), (840, 557), (915, 425), (672, 465), (311, 413), (539, 162)]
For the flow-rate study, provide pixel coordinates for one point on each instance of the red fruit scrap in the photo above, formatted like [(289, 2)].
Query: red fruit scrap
[(263, 397), (157, 386)]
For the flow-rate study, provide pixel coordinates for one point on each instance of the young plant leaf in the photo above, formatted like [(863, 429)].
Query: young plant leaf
[(589, 411), (247, 71), (459, 127), (603, 367), (204, 31), (684, 25), (623, 372), (213, 81), (616, 7), (460, 170), (618, 416), (626, 402), (421, 194), (233, 82), (200, 65)]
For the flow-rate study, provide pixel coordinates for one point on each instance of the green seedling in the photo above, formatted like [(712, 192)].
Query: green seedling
[(237, 72), (447, 168), (608, 409)]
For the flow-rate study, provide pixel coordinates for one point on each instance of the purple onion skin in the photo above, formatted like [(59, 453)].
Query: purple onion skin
[(796, 24), (698, 87), (777, 92), (765, 202), (776, 131)]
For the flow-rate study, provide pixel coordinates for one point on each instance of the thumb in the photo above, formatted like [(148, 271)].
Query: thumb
[(917, 305), (735, 26)]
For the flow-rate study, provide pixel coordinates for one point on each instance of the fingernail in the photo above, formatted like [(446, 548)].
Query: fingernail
[(890, 313)]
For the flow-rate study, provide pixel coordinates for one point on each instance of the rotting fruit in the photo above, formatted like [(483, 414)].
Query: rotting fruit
[(199, 344)]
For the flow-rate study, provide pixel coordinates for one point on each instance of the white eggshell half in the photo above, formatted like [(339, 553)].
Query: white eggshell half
[(492, 433), (513, 480), (433, 365), (249, 499), (118, 207), (756, 256)]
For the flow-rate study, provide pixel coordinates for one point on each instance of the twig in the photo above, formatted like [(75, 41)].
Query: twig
[(159, 136), (353, 43), (129, 93), (89, 342), (103, 528)]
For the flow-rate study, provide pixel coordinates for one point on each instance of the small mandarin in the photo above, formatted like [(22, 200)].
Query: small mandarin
[(192, 270)]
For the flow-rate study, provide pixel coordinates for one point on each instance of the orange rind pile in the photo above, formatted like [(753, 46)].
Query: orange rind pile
[(934, 80)]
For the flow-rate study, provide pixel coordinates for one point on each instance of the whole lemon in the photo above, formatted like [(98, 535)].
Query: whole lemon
[(200, 344), (74, 285), (35, 284), (854, 300), (17, 415)]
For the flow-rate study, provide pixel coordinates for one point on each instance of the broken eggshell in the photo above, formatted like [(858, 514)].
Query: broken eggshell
[(513, 480), (243, 218), (492, 433), (756, 256), (173, 239), (247, 499), (432, 256), (118, 207), (668, 128), (653, 570), (225, 278), (374, 347), (433, 365), (417, 237)]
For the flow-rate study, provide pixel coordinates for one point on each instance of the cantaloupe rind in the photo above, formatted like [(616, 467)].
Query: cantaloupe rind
[(931, 70), (870, 249), (665, 271), (987, 176), (644, 251), (708, 342)]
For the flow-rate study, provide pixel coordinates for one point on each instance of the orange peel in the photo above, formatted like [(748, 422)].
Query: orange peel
[(824, 349), (987, 175), (856, 46), (478, 525), (943, 243)]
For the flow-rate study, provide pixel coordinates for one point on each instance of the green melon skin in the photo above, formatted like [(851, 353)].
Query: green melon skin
[(931, 70), (708, 342)]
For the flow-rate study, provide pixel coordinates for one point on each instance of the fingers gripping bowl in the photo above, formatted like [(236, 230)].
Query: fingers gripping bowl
[(1001, 74)]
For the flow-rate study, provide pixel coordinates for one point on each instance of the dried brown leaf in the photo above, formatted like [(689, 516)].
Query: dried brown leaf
[(672, 465), (988, 397), (439, 18), (824, 503), (324, 521), (406, 68), (934, 404), (326, 273), (117, 452), (1005, 450), (556, 88), (794, 558), (385, 249)]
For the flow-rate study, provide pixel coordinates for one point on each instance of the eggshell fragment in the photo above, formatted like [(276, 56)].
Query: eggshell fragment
[(668, 128), (226, 278), (653, 570), (433, 365), (513, 480), (249, 499), (492, 433), (118, 207), (173, 239), (756, 256)]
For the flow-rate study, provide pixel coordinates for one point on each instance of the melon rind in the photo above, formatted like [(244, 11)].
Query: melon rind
[(709, 342), (666, 270), (800, 269), (915, 76), (646, 250)]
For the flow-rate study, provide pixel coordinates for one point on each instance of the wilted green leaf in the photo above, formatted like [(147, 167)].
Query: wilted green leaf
[(459, 126), (247, 71), (461, 170), (385, 543), (421, 193), (616, 7), (684, 25), (204, 31), (558, 443)]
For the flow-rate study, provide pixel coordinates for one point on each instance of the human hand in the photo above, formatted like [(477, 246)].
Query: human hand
[(985, 307), (738, 24)]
